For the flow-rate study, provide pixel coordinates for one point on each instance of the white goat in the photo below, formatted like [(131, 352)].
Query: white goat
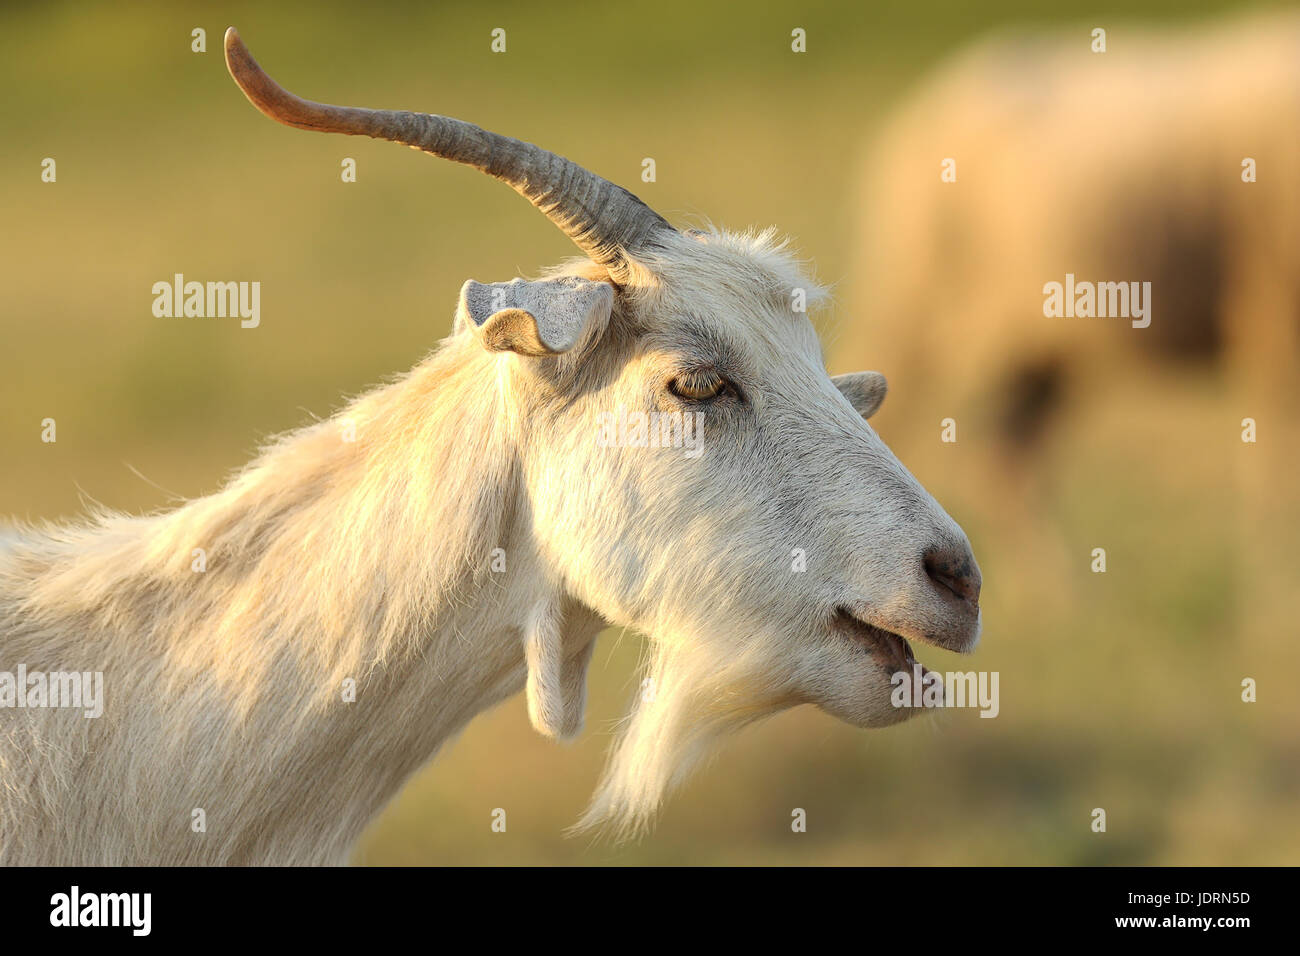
[(376, 560)]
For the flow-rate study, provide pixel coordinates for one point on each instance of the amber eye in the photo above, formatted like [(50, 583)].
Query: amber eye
[(697, 386)]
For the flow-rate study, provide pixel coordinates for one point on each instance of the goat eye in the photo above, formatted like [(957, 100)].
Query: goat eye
[(697, 386)]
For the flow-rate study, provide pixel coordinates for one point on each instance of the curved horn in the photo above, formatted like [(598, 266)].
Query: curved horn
[(604, 220)]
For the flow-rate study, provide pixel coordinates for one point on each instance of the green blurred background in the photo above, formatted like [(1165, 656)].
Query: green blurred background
[(1118, 691)]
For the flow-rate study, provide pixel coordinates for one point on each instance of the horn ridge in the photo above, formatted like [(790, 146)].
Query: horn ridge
[(604, 220)]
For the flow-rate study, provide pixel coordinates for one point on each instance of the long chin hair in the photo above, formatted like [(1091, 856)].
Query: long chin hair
[(691, 696)]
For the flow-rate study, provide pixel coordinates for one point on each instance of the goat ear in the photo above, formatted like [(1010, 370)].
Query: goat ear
[(864, 390), (546, 317)]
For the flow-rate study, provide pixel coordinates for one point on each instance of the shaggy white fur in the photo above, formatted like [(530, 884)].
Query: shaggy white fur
[(460, 534), (372, 560)]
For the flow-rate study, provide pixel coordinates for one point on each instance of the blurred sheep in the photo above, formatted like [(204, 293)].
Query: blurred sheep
[(1120, 166)]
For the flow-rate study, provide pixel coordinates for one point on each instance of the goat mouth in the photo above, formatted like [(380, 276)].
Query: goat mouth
[(891, 651)]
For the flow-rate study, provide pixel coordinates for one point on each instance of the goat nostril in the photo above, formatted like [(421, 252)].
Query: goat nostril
[(954, 570)]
